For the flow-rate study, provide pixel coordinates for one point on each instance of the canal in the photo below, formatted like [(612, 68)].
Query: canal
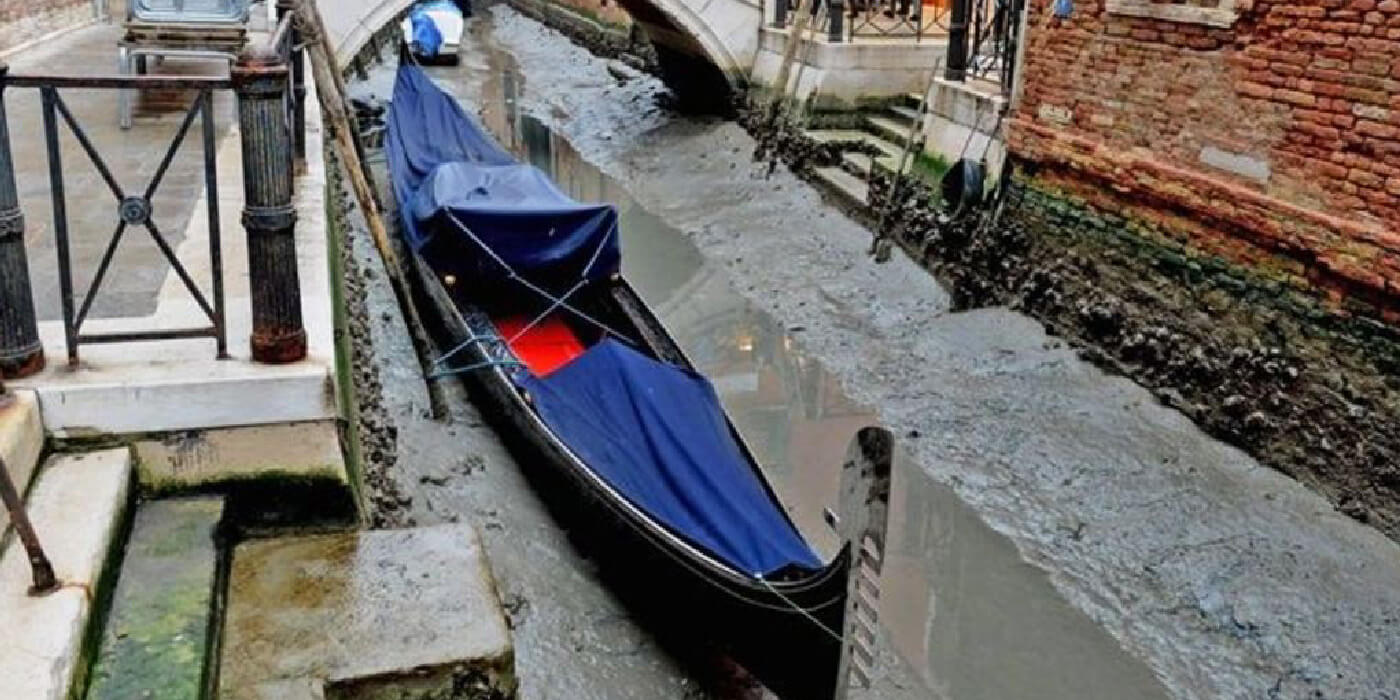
[(962, 609), (1057, 609)]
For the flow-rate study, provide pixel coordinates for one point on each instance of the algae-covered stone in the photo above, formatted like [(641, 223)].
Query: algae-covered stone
[(156, 638)]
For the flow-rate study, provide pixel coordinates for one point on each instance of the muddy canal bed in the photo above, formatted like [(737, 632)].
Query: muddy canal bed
[(1057, 532)]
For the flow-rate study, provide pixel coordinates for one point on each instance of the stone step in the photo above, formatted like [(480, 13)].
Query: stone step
[(893, 129), (21, 443), (157, 630), (76, 507), (384, 613), (836, 135), (859, 163), (887, 148), (193, 459), (907, 114), (844, 184)]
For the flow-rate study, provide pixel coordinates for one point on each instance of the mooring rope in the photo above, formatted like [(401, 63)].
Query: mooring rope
[(512, 274), (805, 612), (583, 279), (488, 364)]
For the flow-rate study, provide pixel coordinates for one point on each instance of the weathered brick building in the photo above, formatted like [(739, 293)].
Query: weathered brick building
[(1263, 133), (22, 21)]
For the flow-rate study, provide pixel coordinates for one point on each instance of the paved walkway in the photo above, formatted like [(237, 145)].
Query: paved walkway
[(138, 269)]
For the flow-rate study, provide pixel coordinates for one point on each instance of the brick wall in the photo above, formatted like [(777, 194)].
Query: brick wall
[(26, 20), (1264, 133)]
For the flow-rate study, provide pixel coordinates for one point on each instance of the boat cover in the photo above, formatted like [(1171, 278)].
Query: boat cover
[(657, 434), (449, 174), (427, 38), (652, 430)]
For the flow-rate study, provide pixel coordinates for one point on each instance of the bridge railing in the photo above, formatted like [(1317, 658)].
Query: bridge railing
[(862, 20), (267, 81)]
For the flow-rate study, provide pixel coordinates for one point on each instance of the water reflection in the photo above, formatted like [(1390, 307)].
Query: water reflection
[(962, 607)]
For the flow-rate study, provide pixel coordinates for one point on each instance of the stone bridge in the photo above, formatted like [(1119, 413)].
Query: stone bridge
[(707, 47)]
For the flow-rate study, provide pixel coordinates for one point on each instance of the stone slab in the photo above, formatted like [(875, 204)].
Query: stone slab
[(362, 609), (845, 184), (76, 506), (891, 129), (197, 458), (156, 636), (21, 443)]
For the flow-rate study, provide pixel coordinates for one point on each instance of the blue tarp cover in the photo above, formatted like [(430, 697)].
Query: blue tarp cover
[(441, 162), (654, 431), (657, 434), (427, 39)]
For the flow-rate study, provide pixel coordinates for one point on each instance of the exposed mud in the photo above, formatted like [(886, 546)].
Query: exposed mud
[(1310, 391), (1319, 405), (1227, 579), (375, 428)]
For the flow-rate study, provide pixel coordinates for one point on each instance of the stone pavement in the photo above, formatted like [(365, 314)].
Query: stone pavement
[(138, 268)]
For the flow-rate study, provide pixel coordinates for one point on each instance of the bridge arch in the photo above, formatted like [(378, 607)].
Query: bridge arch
[(706, 47)]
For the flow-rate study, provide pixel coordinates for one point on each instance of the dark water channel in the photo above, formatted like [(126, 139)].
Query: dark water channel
[(968, 614)]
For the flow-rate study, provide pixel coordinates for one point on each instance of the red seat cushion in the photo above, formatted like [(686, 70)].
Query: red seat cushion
[(547, 346)]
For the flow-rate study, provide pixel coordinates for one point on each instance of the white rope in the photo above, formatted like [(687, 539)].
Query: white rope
[(805, 613), (559, 303), (579, 285)]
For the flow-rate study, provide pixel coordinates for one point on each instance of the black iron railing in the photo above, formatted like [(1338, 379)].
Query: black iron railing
[(983, 40), (854, 20), (134, 209), (270, 90), (41, 571), (896, 18), (995, 34)]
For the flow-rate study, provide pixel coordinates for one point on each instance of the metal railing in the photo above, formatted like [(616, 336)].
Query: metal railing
[(41, 571), (896, 18), (983, 41), (995, 25), (271, 114), (854, 20)]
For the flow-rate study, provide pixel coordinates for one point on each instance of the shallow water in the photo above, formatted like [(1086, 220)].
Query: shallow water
[(962, 608)]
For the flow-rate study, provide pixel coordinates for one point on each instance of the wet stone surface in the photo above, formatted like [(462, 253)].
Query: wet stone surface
[(156, 635), (363, 609)]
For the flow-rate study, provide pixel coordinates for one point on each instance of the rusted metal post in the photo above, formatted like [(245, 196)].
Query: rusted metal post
[(260, 79), (956, 66), (298, 66), (21, 352), (40, 568)]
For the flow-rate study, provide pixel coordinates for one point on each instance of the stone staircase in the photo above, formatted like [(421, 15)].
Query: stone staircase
[(886, 132), (229, 564)]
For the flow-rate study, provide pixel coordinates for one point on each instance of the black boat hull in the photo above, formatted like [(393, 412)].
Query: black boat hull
[(787, 634)]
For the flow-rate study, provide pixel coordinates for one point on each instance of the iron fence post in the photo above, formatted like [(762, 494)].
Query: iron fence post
[(780, 13), (298, 62), (260, 79), (21, 352), (955, 68), (836, 29)]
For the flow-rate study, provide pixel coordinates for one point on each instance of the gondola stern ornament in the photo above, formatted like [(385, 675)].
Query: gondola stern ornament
[(862, 521)]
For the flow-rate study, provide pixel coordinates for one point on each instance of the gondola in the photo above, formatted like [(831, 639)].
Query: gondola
[(433, 30), (524, 286)]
